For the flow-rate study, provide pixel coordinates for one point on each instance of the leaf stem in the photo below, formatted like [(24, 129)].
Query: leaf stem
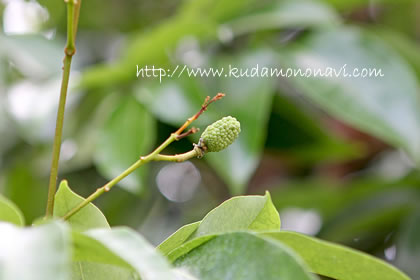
[(73, 8)]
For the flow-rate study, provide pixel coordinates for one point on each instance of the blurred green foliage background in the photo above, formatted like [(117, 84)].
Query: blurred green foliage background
[(340, 156)]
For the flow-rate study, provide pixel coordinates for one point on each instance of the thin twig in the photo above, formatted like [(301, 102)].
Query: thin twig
[(73, 8)]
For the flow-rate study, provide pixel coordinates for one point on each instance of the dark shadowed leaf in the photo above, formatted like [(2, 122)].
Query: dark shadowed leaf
[(408, 246)]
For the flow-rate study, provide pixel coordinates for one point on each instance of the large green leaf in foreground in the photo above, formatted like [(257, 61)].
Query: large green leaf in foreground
[(243, 256), (40, 253), (128, 246)]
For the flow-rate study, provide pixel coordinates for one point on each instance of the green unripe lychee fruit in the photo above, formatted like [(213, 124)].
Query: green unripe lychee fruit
[(220, 134)]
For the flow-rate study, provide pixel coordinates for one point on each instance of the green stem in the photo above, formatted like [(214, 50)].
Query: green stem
[(178, 158), (107, 187), (72, 19)]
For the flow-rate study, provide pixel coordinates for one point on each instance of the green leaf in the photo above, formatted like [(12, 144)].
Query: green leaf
[(128, 134), (87, 218), (254, 212), (99, 271), (24, 187), (33, 55), (408, 246), (243, 256), (285, 14), (39, 253), (336, 261), (387, 107), (188, 246), (153, 46), (88, 249), (9, 212), (178, 238), (135, 251)]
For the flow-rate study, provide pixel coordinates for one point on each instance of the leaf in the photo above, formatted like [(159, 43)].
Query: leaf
[(285, 14), (26, 188), (387, 107), (128, 134), (87, 218), (99, 271), (408, 246), (9, 212), (188, 246), (255, 213), (178, 238), (243, 256), (374, 214), (135, 251), (88, 249), (39, 253), (336, 261), (34, 55), (153, 46), (400, 42)]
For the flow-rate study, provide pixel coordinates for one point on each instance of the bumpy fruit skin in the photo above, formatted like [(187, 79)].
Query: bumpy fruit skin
[(220, 134)]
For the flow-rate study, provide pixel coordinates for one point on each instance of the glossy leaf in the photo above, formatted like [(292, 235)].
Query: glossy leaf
[(128, 134), (336, 261), (386, 107), (40, 253), (87, 218), (9, 212), (255, 213), (135, 251), (178, 238), (243, 256)]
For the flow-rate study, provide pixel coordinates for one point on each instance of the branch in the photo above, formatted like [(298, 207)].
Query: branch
[(153, 156), (73, 8)]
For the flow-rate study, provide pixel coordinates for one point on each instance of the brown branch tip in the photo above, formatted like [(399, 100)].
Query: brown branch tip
[(206, 103), (189, 132)]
